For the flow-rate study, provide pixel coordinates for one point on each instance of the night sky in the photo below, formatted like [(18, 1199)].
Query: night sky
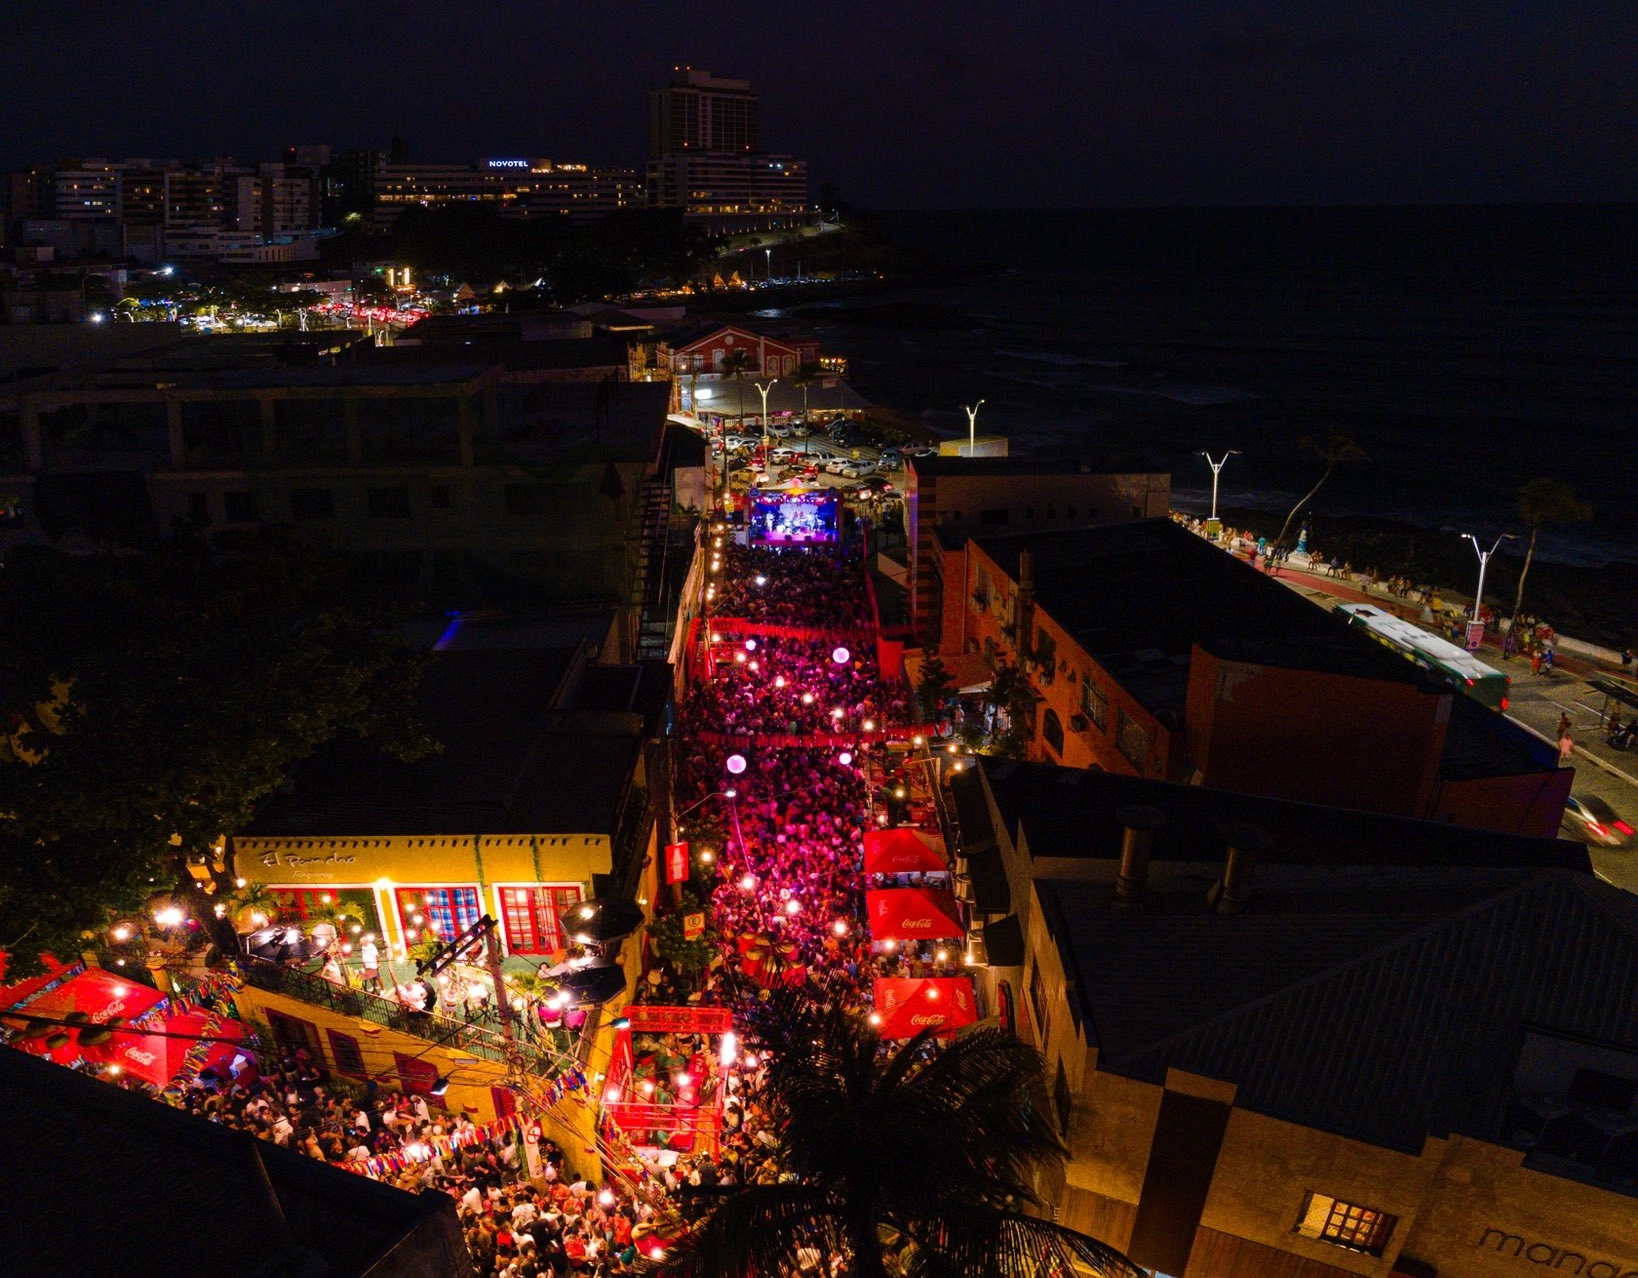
[(901, 104)]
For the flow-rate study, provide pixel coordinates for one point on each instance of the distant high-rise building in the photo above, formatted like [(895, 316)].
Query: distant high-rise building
[(699, 112), (703, 156)]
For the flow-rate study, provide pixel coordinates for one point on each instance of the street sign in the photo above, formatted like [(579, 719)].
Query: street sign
[(693, 926), (1475, 635)]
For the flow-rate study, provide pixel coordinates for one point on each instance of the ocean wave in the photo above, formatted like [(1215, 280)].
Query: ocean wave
[(1052, 357), (1199, 396), (1047, 382)]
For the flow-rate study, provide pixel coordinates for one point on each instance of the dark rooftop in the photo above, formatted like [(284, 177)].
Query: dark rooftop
[(107, 1181), (512, 762), (1384, 1017), (1139, 596), (1071, 813)]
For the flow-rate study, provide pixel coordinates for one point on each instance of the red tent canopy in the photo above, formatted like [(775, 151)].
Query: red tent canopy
[(941, 1003), (903, 851), (31, 985), (913, 914), (101, 995), (158, 1059)]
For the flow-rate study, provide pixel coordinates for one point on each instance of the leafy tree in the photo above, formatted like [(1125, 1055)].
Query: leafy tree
[(1545, 501), (1338, 450), (151, 700), (930, 1160), (1009, 692), (687, 957), (935, 687)]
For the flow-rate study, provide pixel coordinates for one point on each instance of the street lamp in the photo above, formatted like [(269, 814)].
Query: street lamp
[(767, 275), (972, 425), (772, 382), (1484, 562), (1216, 470)]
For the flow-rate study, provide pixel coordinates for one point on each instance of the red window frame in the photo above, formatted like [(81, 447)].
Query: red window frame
[(533, 917)]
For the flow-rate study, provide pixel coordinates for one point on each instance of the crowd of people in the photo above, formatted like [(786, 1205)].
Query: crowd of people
[(786, 897)]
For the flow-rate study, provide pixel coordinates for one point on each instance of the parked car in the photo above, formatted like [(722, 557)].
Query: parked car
[(1588, 819), (836, 465), (856, 469), (779, 430), (890, 459), (781, 455)]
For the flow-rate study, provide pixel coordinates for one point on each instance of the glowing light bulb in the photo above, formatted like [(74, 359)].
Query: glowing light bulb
[(739, 657), (779, 681), (748, 883), (875, 1018), (750, 645), (839, 927), (612, 1095), (807, 698), (840, 656), (845, 758), (869, 725), (836, 713), (793, 906)]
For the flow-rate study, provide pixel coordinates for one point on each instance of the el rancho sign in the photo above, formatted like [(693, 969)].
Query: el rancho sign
[(1553, 1257)]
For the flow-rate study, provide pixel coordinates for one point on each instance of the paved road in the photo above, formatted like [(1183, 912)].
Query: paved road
[(1535, 704)]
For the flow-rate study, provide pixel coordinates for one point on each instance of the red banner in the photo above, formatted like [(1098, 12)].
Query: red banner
[(913, 914), (656, 1018), (676, 863), (814, 740), (940, 1003), (903, 851)]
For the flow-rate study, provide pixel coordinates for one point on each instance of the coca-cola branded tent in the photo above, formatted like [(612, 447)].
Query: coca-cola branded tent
[(913, 914), (98, 996), (158, 1058), (902, 850), (939, 1003)]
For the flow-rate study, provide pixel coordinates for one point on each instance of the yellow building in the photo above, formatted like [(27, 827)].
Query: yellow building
[(536, 800), (1296, 1042), (536, 796)]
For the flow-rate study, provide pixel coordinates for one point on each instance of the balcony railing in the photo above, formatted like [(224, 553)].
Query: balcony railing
[(544, 1051)]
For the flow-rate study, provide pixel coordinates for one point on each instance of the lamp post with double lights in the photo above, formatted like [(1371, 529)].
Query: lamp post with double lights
[(1484, 562), (972, 425), (1213, 527), (767, 462)]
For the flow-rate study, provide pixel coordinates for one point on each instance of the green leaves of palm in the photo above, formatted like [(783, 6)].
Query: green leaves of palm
[(935, 1156)]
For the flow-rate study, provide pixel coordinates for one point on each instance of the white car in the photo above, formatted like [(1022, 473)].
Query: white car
[(779, 430), (856, 470), (783, 454), (836, 465)]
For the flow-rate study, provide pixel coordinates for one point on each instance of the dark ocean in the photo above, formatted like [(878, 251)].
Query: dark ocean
[(1465, 349)]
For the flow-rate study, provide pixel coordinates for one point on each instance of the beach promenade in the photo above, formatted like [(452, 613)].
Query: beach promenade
[(1535, 703)]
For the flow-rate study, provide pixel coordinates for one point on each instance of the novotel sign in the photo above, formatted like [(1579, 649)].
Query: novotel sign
[(507, 164)]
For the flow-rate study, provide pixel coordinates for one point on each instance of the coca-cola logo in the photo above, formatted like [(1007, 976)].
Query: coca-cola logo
[(936, 1018), (137, 1054), (916, 925)]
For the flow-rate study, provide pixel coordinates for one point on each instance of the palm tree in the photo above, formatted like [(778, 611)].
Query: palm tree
[(736, 364), (1545, 501), (1338, 450), (929, 1160), (805, 376)]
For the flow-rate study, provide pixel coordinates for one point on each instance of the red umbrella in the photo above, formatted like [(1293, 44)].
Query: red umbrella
[(901, 850), (907, 1007), (913, 914)]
